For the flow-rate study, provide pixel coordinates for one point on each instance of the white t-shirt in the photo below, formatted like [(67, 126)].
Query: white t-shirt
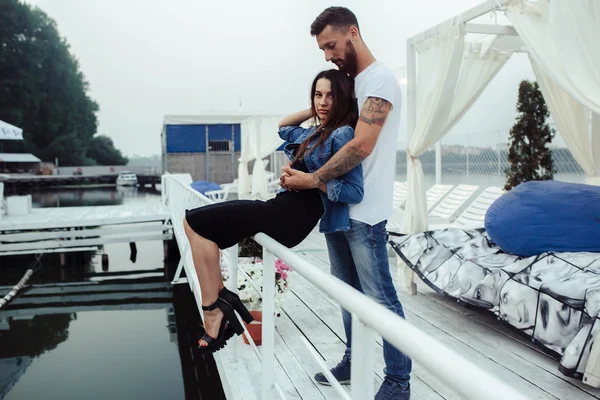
[(379, 168)]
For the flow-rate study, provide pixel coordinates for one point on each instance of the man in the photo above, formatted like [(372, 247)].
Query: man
[(359, 256)]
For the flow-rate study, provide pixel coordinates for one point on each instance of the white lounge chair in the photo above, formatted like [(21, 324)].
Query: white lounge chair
[(434, 194), (453, 204), (400, 194), (474, 215), (437, 193), (219, 194)]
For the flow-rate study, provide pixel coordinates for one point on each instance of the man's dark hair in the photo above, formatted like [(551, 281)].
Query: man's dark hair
[(339, 18)]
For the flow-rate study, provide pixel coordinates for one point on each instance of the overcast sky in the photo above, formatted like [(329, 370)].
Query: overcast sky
[(147, 58)]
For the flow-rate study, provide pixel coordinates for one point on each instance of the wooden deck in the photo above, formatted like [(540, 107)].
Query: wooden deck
[(311, 315), (77, 228), (67, 217)]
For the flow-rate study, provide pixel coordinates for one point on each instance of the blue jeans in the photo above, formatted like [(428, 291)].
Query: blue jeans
[(359, 257)]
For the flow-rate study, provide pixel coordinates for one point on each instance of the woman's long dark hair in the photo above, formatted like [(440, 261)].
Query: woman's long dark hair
[(344, 110)]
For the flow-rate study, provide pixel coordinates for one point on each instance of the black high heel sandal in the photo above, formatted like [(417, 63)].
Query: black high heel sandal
[(234, 300), (229, 324)]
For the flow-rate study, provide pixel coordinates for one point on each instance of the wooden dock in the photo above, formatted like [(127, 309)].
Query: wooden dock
[(64, 229), (15, 181), (309, 315)]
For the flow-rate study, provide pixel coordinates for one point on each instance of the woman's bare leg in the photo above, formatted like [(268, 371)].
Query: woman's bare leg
[(205, 254)]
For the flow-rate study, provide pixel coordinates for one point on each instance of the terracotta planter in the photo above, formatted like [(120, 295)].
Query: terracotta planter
[(254, 328)]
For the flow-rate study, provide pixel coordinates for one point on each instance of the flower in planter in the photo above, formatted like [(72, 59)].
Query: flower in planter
[(282, 271), (254, 269)]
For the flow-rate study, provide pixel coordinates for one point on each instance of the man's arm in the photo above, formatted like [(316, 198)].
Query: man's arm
[(372, 117), (370, 122)]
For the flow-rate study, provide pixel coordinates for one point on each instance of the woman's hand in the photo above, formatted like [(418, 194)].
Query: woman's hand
[(298, 180), (282, 180)]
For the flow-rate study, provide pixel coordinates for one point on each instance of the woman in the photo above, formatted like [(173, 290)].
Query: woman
[(290, 216)]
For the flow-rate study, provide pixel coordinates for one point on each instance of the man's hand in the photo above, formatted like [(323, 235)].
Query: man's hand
[(370, 123), (297, 180), (282, 180)]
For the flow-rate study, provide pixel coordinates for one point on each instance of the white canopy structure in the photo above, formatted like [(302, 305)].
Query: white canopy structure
[(10, 132), (259, 139), (18, 158), (446, 73)]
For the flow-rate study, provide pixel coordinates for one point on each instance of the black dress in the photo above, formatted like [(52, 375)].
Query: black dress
[(287, 218)]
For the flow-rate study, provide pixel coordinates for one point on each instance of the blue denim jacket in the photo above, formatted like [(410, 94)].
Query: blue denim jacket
[(344, 190)]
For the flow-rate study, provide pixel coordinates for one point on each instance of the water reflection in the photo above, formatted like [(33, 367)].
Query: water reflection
[(89, 332), (11, 369), (25, 340), (78, 267), (98, 196), (32, 337)]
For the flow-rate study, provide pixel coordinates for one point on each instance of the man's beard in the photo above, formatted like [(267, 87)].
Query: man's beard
[(350, 60)]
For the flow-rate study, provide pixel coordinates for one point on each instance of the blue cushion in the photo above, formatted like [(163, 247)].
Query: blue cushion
[(540, 216), (205, 186)]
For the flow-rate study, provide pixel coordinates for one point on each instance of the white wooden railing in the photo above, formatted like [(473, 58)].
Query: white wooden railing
[(368, 319)]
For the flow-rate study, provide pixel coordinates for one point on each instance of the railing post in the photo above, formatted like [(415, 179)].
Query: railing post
[(233, 268), (163, 189), (268, 325), (363, 360), (233, 262)]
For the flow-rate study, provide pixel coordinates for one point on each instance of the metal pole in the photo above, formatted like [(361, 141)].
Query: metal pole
[(268, 325), (232, 153), (411, 114), (206, 172), (499, 152), (407, 276), (596, 144), (438, 162), (467, 148)]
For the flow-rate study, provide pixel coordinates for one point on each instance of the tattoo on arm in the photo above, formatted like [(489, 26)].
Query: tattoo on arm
[(375, 111), (343, 161)]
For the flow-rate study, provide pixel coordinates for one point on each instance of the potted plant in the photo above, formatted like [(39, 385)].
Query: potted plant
[(250, 262)]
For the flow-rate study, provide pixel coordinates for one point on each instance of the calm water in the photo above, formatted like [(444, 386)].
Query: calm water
[(95, 346)]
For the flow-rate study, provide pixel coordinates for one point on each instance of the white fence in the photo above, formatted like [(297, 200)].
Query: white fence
[(368, 319), (480, 159)]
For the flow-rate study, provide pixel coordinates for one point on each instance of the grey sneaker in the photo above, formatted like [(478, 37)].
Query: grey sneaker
[(391, 390), (341, 372)]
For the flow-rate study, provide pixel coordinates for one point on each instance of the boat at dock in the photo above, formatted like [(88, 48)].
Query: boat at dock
[(127, 178)]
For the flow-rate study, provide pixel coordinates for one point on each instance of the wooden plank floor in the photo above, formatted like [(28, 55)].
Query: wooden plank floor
[(65, 217), (311, 315)]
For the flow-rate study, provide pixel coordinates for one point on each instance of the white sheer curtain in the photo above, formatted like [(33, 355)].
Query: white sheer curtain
[(451, 75), (562, 37), (572, 119), (247, 155), (595, 180), (259, 139), (438, 66), (476, 72), (263, 142)]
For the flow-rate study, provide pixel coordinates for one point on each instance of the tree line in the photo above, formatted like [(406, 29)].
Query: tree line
[(44, 92)]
